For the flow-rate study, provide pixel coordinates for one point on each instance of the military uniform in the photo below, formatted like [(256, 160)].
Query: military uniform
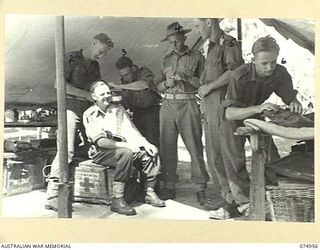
[(245, 89), (115, 124), (223, 54), (144, 105), (80, 73), (180, 113)]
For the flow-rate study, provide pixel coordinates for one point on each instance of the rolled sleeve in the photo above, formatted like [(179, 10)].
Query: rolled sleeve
[(231, 103), (146, 74), (233, 94), (93, 129)]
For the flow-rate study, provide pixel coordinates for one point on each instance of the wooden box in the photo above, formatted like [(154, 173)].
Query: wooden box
[(92, 183), (18, 177), (22, 171)]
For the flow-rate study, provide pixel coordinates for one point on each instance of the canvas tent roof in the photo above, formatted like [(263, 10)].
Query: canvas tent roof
[(30, 51), (299, 30)]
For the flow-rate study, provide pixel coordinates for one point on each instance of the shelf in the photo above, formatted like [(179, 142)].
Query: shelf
[(31, 124)]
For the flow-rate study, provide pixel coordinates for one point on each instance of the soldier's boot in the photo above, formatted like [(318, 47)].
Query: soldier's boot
[(118, 204)]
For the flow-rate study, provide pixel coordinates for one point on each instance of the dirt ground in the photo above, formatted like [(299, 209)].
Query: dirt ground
[(184, 188), (186, 194)]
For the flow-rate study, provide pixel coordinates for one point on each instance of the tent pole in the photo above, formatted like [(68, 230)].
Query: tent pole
[(64, 206), (239, 30)]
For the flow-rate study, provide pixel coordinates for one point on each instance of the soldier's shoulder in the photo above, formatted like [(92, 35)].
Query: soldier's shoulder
[(228, 41), (281, 72), (145, 68), (281, 69), (73, 55), (90, 111), (227, 37), (242, 71), (145, 72)]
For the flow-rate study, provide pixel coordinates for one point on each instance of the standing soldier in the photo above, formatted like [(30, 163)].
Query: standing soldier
[(81, 69), (180, 113), (224, 55)]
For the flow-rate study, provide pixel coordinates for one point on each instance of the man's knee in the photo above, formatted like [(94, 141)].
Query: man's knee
[(125, 153)]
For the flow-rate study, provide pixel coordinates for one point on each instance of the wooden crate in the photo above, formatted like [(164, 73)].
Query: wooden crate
[(22, 171), (18, 177), (92, 183)]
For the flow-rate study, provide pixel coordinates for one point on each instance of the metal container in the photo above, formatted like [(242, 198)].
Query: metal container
[(9, 115)]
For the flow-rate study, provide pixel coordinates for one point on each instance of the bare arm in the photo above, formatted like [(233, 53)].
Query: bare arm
[(111, 144), (72, 90), (236, 113), (137, 85), (162, 86), (207, 88)]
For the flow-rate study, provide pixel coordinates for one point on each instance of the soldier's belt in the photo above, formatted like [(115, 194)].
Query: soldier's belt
[(171, 96)]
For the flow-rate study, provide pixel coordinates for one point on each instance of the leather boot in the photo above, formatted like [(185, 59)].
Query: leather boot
[(120, 206), (153, 199), (118, 203), (206, 202)]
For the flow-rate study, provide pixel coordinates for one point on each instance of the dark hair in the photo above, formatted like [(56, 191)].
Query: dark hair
[(267, 43), (124, 62), (95, 84)]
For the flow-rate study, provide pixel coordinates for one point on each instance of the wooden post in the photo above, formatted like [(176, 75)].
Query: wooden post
[(239, 30), (64, 206), (257, 184)]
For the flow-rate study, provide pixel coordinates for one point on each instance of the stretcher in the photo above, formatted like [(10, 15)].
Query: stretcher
[(260, 133)]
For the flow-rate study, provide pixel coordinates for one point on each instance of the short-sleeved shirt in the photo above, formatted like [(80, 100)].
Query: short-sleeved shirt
[(115, 122), (141, 99), (223, 54), (246, 89), (81, 72), (189, 64)]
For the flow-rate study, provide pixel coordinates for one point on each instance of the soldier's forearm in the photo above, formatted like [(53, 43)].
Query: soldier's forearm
[(110, 144), (72, 90), (220, 81), (236, 113), (161, 86), (137, 85)]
